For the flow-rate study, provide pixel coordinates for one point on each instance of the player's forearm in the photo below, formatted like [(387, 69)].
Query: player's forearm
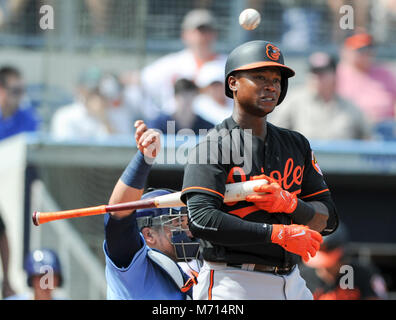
[(209, 223), (319, 220), (131, 184), (124, 193)]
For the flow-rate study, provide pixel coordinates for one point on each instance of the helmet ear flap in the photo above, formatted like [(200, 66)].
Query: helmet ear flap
[(284, 86)]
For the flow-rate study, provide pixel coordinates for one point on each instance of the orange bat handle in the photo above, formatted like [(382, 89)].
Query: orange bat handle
[(43, 217)]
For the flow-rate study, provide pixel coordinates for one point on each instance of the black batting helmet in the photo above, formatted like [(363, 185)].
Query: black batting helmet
[(257, 54)]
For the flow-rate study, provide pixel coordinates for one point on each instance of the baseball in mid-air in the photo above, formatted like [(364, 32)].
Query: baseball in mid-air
[(249, 19)]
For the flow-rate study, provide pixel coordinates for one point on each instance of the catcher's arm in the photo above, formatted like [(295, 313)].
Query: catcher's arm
[(131, 184), (121, 230)]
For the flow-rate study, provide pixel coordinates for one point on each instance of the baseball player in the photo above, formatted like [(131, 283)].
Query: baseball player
[(199, 35), (44, 274), (142, 248), (251, 248)]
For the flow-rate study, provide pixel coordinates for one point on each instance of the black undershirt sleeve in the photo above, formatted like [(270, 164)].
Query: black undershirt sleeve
[(208, 222), (303, 213), (332, 221)]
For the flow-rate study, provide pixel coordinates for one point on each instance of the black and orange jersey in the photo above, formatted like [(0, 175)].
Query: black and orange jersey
[(229, 154)]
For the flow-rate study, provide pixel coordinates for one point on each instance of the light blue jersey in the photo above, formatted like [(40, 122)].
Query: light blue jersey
[(144, 278)]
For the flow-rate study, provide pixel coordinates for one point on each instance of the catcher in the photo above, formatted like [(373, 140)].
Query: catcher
[(142, 248)]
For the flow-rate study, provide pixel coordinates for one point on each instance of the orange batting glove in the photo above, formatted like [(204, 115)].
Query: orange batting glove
[(276, 199), (297, 239)]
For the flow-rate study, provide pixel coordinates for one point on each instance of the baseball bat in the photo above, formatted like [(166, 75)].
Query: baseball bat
[(234, 192)]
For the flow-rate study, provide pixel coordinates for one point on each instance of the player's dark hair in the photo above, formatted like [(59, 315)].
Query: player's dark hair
[(184, 85), (6, 72)]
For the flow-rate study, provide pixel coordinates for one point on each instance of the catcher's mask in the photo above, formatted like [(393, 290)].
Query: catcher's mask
[(175, 219)]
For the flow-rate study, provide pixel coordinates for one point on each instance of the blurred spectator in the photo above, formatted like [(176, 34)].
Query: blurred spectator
[(15, 116), (6, 289), (121, 113), (44, 276), (324, 275), (212, 104), (26, 12), (199, 36), (361, 15), (184, 116), (83, 121), (302, 20), (360, 79), (316, 111), (99, 110), (74, 121)]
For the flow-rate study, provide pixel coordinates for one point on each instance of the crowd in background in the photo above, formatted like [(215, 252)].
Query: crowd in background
[(349, 96), (296, 23)]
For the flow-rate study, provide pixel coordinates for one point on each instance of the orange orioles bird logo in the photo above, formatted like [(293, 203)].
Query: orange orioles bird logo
[(316, 165), (272, 51)]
